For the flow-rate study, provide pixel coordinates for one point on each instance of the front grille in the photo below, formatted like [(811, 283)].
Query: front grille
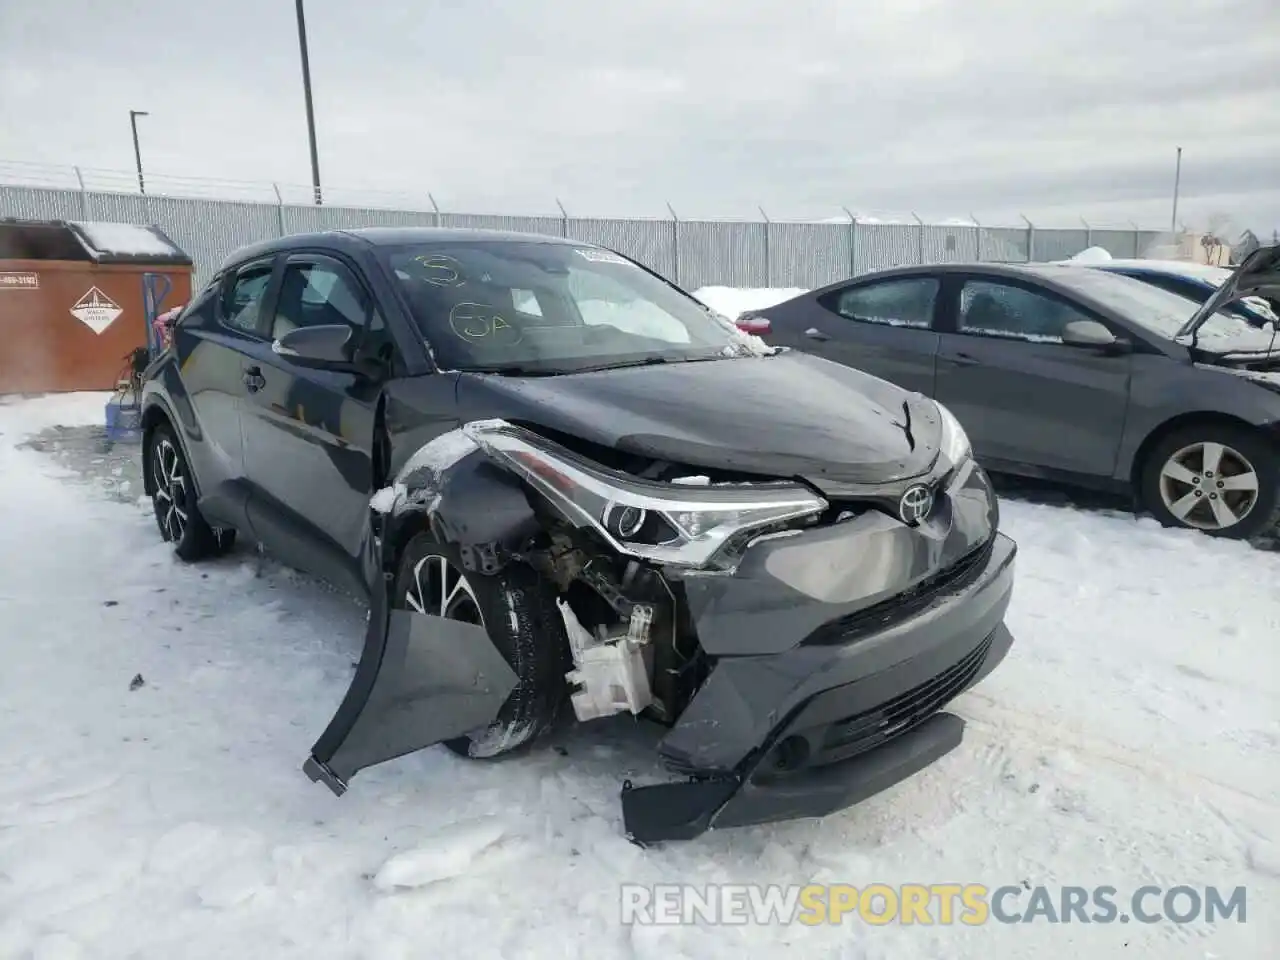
[(867, 730), (954, 578)]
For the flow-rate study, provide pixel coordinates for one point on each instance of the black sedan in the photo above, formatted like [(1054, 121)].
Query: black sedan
[(529, 454), (1074, 374)]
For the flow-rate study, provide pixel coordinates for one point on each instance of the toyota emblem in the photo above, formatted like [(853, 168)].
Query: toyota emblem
[(916, 504)]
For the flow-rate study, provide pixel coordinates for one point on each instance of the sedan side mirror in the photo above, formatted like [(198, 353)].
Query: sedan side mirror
[(324, 347), (1088, 333)]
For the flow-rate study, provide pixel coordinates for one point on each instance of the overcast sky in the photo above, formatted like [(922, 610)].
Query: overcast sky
[(944, 107)]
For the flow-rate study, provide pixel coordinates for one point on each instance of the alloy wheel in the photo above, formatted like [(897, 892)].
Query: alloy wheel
[(170, 490), (439, 589), (1209, 486)]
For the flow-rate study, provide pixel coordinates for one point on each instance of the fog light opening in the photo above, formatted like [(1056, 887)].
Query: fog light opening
[(791, 754)]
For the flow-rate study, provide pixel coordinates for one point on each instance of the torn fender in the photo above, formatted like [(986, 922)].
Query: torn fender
[(449, 486), (421, 680)]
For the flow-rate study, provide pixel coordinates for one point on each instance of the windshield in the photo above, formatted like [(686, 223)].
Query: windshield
[(1161, 311), (531, 307)]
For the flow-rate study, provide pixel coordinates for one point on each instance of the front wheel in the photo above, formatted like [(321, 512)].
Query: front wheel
[(518, 611), (1220, 479)]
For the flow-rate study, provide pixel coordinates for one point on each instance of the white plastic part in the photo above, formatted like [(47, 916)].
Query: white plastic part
[(611, 675)]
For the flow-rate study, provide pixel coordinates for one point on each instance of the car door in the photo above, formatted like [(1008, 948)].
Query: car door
[(309, 432), (1028, 401), (884, 327), (211, 343)]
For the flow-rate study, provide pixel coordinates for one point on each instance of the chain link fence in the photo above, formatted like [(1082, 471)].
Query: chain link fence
[(693, 253)]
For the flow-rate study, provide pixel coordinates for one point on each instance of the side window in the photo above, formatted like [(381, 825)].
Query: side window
[(995, 309), (316, 294), (895, 303), (243, 297)]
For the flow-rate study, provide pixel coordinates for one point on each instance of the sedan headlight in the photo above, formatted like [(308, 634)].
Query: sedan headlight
[(955, 442), (665, 523)]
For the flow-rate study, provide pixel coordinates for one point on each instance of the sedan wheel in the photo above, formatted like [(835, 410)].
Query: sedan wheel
[(1209, 486), (1218, 478)]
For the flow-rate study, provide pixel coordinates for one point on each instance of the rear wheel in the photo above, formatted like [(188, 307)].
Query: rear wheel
[(518, 611), (173, 497), (1221, 479)]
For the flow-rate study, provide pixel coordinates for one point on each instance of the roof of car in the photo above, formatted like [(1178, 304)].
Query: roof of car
[(388, 237), (1176, 268), (988, 267)]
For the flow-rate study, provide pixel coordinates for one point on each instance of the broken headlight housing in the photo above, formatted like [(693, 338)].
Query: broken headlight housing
[(680, 525)]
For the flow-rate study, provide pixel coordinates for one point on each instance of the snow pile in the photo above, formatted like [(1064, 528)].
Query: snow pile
[(1093, 255), (1131, 737), (446, 855), (126, 239), (733, 302)]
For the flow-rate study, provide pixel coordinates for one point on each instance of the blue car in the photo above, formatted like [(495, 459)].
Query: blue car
[(1195, 281)]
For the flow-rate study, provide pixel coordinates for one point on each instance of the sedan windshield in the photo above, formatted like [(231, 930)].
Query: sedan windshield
[(1161, 311), (528, 307)]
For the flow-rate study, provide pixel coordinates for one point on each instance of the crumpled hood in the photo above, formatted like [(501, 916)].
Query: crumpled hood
[(787, 415)]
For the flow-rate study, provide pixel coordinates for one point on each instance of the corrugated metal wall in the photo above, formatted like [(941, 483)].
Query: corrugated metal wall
[(694, 253)]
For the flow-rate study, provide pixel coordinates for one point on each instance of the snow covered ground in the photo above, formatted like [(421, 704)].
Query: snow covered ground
[(1130, 738)]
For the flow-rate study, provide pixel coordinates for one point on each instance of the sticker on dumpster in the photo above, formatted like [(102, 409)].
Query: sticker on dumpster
[(19, 281), (96, 310)]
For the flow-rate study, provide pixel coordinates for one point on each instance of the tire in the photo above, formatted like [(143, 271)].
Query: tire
[(1176, 475), (174, 501), (519, 613)]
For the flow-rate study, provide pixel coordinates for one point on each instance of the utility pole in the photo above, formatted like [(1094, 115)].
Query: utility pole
[(137, 151), (1177, 182), (306, 89)]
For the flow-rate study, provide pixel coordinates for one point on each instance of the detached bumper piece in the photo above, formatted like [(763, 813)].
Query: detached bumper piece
[(682, 811)]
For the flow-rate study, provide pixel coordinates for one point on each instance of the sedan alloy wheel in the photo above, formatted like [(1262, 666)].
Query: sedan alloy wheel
[(1209, 486)]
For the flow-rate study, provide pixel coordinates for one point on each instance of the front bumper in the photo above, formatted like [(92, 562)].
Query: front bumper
[(814, 726)]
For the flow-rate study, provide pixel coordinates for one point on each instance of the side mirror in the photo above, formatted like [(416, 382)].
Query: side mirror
[(1089, 333), (324, 347)]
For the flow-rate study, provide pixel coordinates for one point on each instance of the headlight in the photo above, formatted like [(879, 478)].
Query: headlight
[(955, 442), (679, 525)]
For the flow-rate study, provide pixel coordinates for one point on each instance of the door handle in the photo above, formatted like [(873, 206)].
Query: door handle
[(254, 380), (962, 359), (813, 333)]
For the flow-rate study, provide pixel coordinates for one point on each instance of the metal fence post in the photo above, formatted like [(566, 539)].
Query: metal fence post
[(977, 237), (1031, 239), (768, 255), (675, 245), (919, 237), (853, 242), (564, 219), (436, 207), (279, 208), (84, 195)]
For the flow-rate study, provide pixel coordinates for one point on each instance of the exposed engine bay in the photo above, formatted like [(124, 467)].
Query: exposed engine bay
[(617, 535), (633, 645)]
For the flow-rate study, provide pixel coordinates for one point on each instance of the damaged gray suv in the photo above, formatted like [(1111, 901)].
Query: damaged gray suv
[(567, 487)]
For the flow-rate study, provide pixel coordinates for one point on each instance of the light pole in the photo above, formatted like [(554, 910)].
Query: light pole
[(137, 151), (306, 89), (1177, 182)]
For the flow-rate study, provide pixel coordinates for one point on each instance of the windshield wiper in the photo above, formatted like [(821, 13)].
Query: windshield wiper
[(649, 361), (515, 370)]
